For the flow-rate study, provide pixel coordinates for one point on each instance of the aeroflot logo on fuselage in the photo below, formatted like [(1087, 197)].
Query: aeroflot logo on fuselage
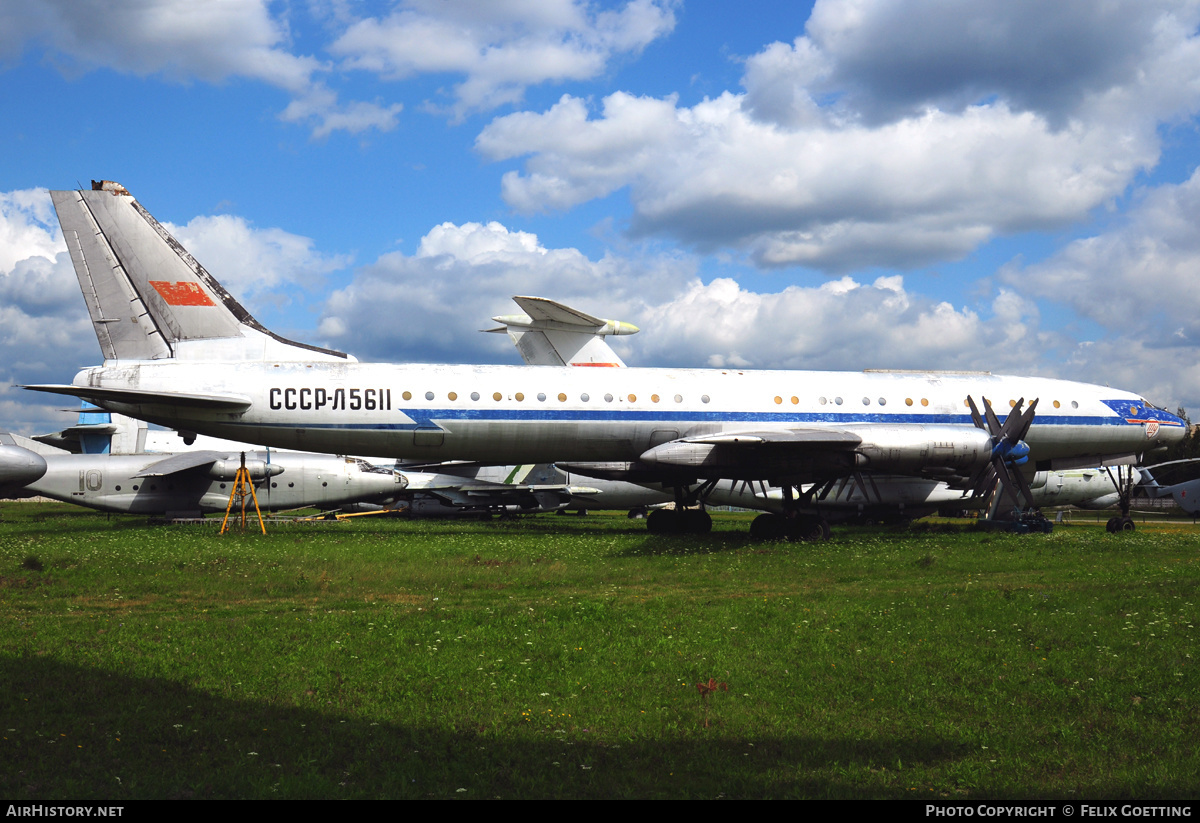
[(336, 400)]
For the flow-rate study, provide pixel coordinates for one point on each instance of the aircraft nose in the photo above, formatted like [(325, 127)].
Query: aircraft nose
[(1176, 428), (384, 484), (19, 466)]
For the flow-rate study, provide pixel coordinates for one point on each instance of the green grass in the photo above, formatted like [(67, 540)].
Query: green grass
[(559, 657)]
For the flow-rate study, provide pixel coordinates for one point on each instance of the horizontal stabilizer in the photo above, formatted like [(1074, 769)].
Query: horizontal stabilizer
[(552, 334), (231, 403)]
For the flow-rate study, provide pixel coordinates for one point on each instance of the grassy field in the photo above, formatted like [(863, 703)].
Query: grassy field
[(559, 657)]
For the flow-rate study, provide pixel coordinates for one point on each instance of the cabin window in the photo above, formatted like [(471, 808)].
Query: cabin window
[(778, 400), (837, 401), (584, 397), (679, 398), (654, 398), (924, 401), (633, 398), (883, 401), (608, 398), (822, 400), (407, 395), (453, 395), (519, 397), (474, 395), (1057, 405), (562, 398), (497, 396), (866, 401), (908, 401), (428, 395), (795, 400), (704, 398), (542, 396)]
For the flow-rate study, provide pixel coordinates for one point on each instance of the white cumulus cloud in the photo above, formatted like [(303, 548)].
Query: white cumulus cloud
[(851, 147), (500, 48)]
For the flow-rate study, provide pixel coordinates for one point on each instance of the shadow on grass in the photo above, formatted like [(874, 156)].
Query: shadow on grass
[(659, 545), (78, 733)]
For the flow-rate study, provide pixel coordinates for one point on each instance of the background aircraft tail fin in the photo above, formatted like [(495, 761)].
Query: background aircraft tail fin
[(147, 296), (553, 334)]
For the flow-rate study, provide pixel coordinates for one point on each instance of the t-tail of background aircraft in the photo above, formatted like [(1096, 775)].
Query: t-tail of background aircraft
[(552, 334)]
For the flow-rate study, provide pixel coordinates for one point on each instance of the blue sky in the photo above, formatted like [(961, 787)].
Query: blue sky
[(1003, 185)]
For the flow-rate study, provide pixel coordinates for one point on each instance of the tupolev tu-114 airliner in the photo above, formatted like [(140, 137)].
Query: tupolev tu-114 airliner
[(180, 351)]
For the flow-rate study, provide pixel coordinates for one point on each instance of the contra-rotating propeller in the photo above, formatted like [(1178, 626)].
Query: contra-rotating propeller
[(1009, 452)]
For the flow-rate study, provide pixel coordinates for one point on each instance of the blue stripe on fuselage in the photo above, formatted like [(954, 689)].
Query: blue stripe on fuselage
[(430, 418)]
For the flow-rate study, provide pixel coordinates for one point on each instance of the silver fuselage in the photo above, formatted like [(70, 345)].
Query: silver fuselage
[(520, 414), (110, 483)]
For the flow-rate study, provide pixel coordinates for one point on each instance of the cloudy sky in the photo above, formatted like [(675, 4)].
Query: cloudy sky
[(1007, 185)]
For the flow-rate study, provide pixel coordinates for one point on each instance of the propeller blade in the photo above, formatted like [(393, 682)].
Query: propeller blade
[(975, 414), (1001, 478), (994, 427)]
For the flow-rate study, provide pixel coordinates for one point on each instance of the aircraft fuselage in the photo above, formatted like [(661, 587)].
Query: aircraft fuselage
[(508, 414), (111, 483)]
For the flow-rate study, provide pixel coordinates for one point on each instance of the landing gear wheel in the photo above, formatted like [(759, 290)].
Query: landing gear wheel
[(695, 521), (661, 521), (768, 527), (1120, 524), (809, 527), (679, 521)]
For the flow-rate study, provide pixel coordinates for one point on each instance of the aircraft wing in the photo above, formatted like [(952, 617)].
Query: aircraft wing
[(231, 403), (789, 438), (802, 454), (184, 461)]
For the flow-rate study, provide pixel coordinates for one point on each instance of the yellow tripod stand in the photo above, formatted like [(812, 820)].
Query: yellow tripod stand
[(243, 487)]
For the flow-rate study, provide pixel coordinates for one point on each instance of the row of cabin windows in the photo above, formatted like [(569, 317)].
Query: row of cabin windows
[(908, 401), (654, 398), (562, 397)]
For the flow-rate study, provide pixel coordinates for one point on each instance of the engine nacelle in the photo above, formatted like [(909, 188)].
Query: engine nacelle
[(228, 469), (910, 449), (19, 466)]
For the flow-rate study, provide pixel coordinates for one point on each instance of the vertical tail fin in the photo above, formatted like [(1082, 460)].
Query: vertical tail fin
[(147, 296)]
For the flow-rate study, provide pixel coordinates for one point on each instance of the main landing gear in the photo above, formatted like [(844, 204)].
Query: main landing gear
[(772, 526), (679, 521), (682, 519), (792, 524), (1124, 483)]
